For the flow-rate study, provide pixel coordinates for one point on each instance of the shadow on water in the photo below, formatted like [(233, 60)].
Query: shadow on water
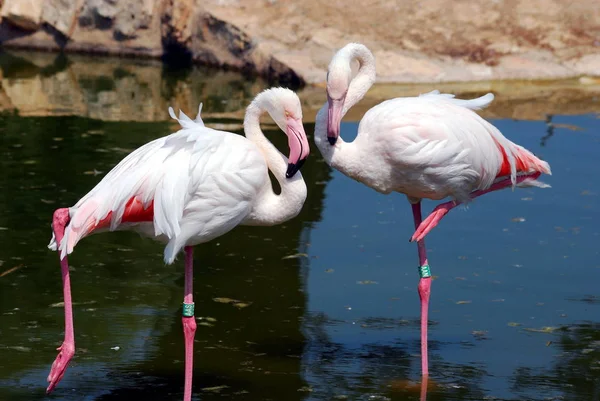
[(577, 367), (323, 307)]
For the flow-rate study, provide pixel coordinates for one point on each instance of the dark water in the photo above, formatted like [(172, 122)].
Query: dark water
[(514, 307)]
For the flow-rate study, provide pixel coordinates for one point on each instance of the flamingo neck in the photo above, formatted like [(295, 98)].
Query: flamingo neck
[(271, 208), (343, 155), (364, 79)]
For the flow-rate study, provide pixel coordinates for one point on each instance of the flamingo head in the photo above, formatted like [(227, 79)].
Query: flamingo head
[(339, 76), (297, 141), (283, 105)]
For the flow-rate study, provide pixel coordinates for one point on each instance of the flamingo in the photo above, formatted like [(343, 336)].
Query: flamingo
[(428, 147), (188, 188)]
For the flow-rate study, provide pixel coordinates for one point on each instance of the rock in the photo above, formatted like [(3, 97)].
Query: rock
[(98, 14), (61, 14), (530, 66), (219, 43), (293, 42), (133, 16), (416, 41), (25, 14), (104, 8), (586, 65), (177, 22), (397, 67), (123, 27)]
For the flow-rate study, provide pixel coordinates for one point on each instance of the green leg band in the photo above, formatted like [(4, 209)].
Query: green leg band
[(424, 271), (188, 310)]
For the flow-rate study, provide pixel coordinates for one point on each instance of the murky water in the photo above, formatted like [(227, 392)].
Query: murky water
[(514, 308)]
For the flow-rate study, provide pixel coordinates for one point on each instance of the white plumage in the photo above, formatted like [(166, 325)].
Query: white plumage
[(431, 146), (199, 183)]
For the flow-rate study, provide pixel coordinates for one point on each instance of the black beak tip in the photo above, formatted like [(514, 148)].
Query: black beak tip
[(332, 140), (293, 168)]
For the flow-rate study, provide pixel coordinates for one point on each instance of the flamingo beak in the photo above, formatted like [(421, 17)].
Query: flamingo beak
[(334, 114), (298, 143)]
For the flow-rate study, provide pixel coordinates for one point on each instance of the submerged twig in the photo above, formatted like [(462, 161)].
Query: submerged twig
[(11, 270)]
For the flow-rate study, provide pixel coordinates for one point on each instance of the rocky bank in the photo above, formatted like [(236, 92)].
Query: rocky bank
[(414, 41)]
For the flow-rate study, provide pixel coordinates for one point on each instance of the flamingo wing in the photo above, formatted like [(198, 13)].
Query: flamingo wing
[(195, 182), (439, 145)]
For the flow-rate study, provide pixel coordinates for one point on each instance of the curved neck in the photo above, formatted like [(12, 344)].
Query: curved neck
[(364, 79), (276, 161), (270, 208), (359, 86)]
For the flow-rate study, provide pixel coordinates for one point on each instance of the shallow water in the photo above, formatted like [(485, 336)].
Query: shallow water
[(514, 312)]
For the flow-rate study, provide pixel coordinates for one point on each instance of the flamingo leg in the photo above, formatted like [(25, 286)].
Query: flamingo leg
[(67, 349), (424, 292), (424, 384), (441, 210), (189, 322)]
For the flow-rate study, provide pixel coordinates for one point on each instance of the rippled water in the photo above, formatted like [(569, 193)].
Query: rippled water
[(514, 307)]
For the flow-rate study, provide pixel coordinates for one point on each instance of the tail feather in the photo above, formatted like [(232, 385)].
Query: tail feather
[(198, 119), (477, 103), (531, 182), (84, 220), (69, 239), (472, 104), (517, 159), (82, 223), (185, 121), (53, 246), (527, 161)]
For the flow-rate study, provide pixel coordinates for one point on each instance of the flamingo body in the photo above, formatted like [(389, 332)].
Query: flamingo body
[(183, 189), (432, 146)]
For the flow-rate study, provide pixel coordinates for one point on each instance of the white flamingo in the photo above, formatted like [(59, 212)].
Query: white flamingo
[(432, 146), (186, 189)]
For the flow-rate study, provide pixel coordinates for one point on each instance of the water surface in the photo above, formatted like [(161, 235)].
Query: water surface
[(327, 307)]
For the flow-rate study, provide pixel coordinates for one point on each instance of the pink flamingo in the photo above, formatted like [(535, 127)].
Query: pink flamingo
[(432, 146), (186, 189)]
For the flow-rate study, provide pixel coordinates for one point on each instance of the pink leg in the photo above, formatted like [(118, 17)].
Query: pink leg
[(189, 323), (424, 292), (67, 349), (424, 384), (432, 220), (441, 210)]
